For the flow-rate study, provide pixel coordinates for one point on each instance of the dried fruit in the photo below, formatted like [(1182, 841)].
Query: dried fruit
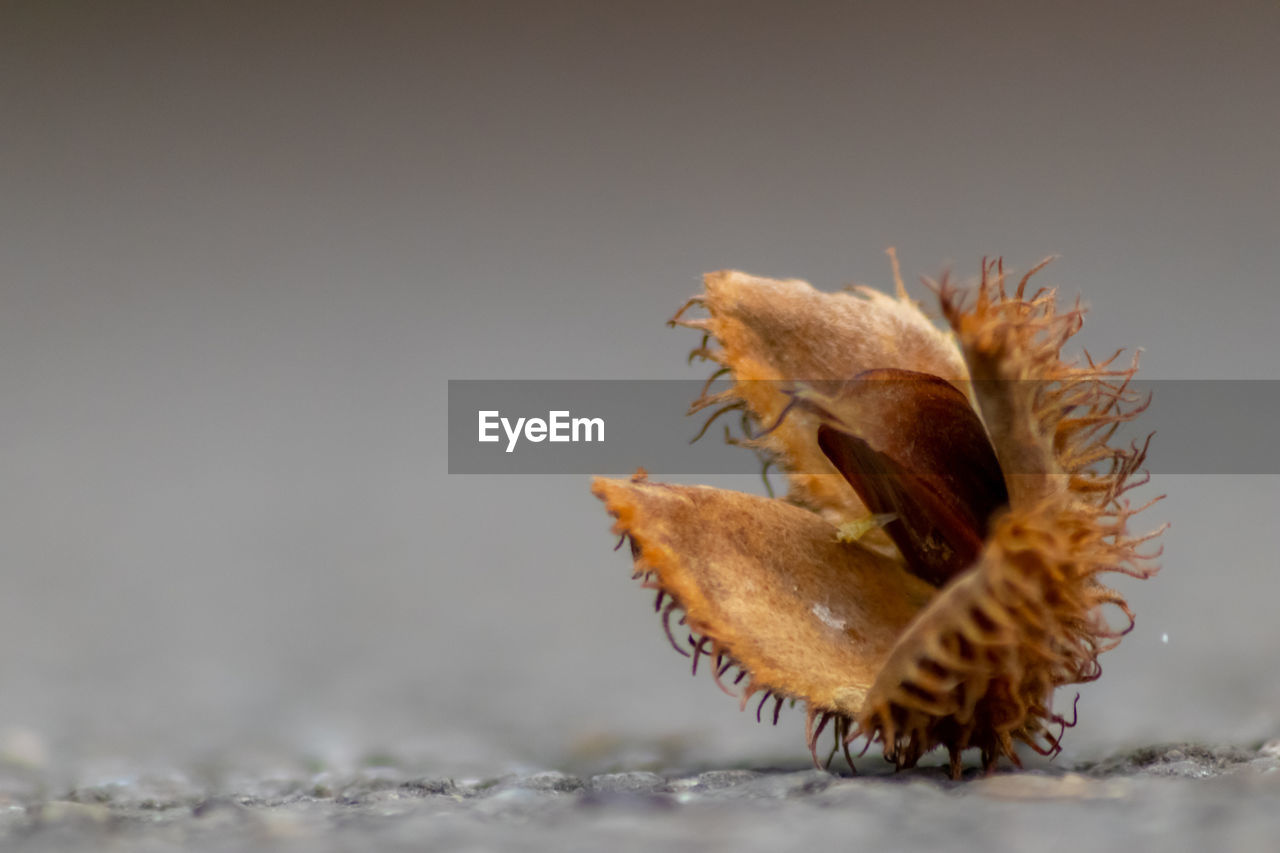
[(932, 576)]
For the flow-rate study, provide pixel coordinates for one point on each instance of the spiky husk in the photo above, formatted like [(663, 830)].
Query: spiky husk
[(978, 664), (978, 668)]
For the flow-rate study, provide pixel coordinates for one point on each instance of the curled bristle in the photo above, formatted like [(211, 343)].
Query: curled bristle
[(699, 646), (666, 627), (727, 407), (677, 319), (816, 721)]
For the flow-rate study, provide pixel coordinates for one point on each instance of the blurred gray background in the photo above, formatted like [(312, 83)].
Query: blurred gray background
[(244, 246)]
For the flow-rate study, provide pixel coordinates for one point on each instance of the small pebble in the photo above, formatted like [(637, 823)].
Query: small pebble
[(1029, 786), (66, 811), (786, 785), (638, 782), (716, 780), (550, 780), (428, 787), (22, 748)]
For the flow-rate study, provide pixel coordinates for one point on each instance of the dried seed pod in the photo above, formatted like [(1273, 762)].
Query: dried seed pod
[(987, 454)]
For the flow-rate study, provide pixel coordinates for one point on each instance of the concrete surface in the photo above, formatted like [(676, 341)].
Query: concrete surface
[(1173, 797)]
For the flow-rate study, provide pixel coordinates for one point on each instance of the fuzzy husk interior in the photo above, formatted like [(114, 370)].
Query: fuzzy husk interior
[(771, 333)]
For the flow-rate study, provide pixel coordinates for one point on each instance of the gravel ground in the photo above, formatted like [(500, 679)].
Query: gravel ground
[(1182, 796)]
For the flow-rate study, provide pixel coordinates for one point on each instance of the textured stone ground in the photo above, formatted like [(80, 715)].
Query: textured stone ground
[(1180, 797)]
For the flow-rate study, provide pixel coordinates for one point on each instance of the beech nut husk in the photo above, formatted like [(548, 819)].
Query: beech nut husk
[(933, 574)]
